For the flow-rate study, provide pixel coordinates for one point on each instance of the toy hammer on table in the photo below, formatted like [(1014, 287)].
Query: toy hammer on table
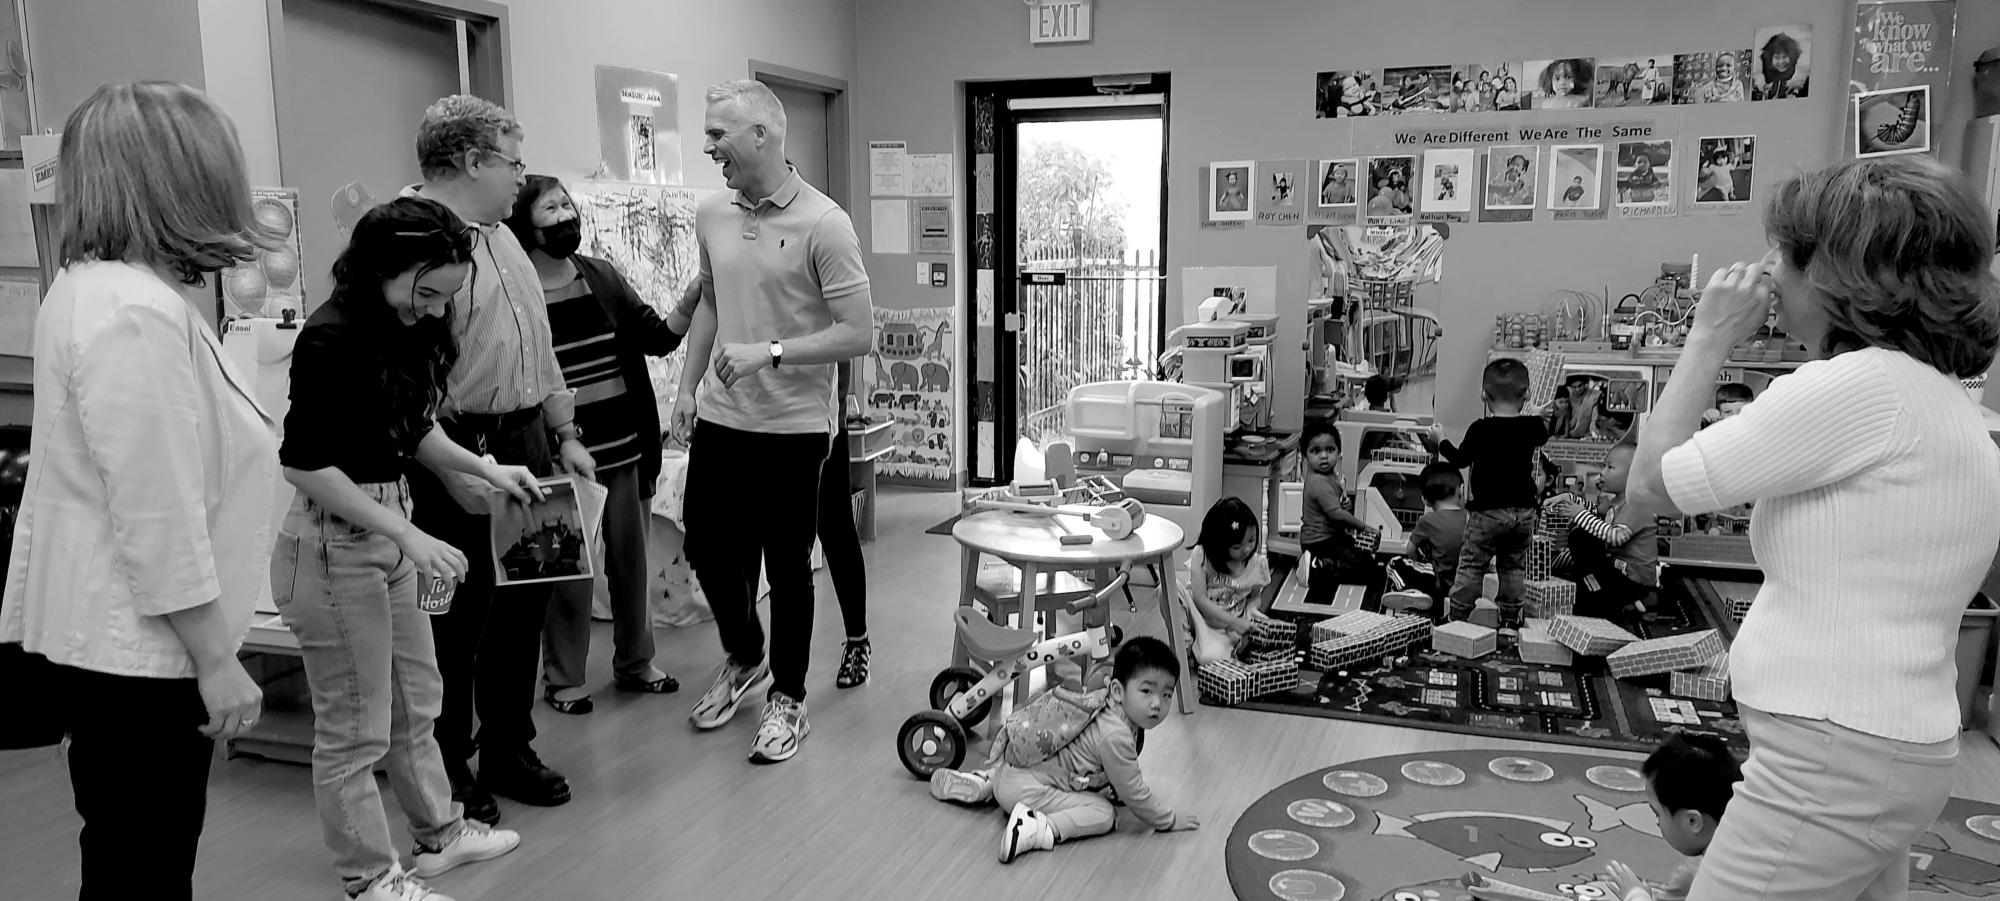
[(1116, 521)]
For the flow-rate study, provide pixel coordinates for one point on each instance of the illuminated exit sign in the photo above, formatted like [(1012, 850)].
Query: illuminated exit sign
[(1059, 22)]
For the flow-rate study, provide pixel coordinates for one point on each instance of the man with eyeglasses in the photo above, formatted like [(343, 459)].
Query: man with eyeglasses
[(506, 397)]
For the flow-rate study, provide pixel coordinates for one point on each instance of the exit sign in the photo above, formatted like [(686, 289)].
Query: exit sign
[(1059, 22)]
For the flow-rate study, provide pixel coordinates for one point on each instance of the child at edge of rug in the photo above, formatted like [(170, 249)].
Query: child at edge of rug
[(1689, 779), (1421, 580), (1235, 577), (1061, 797)]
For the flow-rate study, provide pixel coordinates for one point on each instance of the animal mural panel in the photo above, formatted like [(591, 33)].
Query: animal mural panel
[(908, 380), (1424, 827)]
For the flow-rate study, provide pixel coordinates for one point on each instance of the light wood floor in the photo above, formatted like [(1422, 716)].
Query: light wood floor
[(663, 813)]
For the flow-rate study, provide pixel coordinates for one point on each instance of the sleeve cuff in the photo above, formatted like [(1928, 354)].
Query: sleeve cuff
[(1685, 475), (175, 602)]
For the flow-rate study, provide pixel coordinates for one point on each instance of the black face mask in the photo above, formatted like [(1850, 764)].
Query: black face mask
[(562, 239)]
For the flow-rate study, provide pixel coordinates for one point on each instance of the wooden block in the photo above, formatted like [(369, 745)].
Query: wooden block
[(1541, 557), (1363, 635), (1710, 682), (1463, 639), (1550, 598), (1664, 655), (1236, 681), (1590, 636), (1485, 612), (1489, 585)]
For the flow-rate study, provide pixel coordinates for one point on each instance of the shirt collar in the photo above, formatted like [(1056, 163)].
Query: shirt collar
[(787, 192)]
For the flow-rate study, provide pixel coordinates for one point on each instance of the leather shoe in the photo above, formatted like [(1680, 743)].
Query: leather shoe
[(520, 774), (476, 802)]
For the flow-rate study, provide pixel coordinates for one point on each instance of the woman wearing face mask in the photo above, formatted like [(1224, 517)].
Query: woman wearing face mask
[(603, 333), (368, 375)]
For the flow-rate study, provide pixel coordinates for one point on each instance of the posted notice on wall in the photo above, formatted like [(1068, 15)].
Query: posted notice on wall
[(886, 162), (933, 225), (889, 226), (928, 174), (19, 299)]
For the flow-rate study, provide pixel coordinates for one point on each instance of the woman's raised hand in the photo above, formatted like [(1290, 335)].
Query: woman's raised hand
[(1736, 303)]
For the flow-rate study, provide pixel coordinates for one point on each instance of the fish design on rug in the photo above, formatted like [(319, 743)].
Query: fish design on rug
[(1935, 867), (1637, 816), (1453, 889), (1492, 840)]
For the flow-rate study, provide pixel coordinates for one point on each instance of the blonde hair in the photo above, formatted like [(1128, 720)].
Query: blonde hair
[(754, 99), (151, 173), (455, 125)]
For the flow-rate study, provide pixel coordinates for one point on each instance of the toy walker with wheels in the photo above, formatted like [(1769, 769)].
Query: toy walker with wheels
[(961, 697)]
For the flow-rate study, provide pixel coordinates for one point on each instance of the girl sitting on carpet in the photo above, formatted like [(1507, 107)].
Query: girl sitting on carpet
[(1235, 578)]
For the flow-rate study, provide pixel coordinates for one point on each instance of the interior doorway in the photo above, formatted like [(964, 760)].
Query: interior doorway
[(1071, 260), (815, 125)]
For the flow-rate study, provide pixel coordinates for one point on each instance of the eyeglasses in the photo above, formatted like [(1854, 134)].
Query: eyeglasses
[(512, 162)]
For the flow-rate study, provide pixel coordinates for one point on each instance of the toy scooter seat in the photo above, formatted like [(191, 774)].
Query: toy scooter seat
[(988, 641)]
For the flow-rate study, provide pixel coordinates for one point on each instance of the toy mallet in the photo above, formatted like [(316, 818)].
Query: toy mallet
[(1116, 521)]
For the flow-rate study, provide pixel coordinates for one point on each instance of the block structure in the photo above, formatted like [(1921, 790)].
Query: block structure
[(1590, 636), (1664, 655), (1232, 682), (1710, 682), (1541, 557), (1538, 646), (1550, 598), (1361, 635), (1739, 607), (1555, 528), (1463, 639)]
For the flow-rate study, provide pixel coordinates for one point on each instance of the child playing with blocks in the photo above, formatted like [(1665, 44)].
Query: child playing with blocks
[(1053, 789), (1326, 528), (1689, 780), (1500, 508), (1432, 564), (1729, 400), (1235, 577), (1613, 557)]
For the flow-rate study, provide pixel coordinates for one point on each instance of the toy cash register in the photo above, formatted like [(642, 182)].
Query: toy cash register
[(1158, 442)]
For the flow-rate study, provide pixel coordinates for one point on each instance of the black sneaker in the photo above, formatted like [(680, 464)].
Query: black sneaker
[(853, 664), (477, 803), (520, 774)]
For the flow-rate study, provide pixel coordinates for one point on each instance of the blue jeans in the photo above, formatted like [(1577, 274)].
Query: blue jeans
[(1497, 539), (350, 597)]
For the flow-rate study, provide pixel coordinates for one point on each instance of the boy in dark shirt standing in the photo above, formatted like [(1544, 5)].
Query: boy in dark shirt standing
[(1500, 510)]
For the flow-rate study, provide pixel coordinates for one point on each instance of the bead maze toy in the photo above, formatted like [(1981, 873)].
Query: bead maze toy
[(961, 697)]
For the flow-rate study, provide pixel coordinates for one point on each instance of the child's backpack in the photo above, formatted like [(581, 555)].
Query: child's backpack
[(1049, 723)]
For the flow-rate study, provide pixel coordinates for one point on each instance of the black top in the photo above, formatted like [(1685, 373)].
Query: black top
[(587, 349), (342, 414), (1501, 452), (640, 333)]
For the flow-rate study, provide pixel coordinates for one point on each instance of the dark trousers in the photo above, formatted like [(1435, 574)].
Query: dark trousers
[(1601, 589), (838, 541), (1496, 540), (489, 643), (753, 498), (1336, 562), (136, 760)]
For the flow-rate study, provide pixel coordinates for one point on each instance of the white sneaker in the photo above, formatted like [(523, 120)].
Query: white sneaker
[(478, 842), (1027, 830), (961, 786), (784, 726), (397, 885), (718, 703)]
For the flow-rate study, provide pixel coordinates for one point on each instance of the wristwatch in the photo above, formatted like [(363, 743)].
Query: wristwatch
[(575, 433), (777, 354)]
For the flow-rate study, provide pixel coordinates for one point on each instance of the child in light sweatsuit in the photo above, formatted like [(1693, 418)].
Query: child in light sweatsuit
[(1061, 798), (1689, 781)]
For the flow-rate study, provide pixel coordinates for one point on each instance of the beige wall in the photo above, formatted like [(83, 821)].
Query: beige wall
[(79, 44), (1242, 89)]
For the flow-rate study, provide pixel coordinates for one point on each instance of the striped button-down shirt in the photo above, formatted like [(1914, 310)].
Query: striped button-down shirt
[(506, 355)]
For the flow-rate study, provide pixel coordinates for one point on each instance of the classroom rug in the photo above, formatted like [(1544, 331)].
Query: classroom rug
[(1501, 696), (1412, 827)]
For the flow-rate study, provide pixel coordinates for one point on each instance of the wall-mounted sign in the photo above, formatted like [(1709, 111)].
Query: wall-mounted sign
[(1059, 22)]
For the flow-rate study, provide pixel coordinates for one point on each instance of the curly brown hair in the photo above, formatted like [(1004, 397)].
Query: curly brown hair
[(457, 124), (1899, 252)]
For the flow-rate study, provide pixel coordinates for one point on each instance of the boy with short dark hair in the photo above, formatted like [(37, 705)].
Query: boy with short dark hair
[(1689, 780), (1500, 507), (1729, 400), (1425, 574), (1326, 528), (1058, 798)]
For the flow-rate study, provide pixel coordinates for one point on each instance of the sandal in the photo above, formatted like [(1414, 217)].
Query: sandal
[(665, 685), (576, 707)]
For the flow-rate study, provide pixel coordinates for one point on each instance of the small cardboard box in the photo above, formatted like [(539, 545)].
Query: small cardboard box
[(1664, 655), (1550, 598), (1234, 681), (1464, 639), (1590, 636), (1538, 646), (1710, 682), (1362, 635)]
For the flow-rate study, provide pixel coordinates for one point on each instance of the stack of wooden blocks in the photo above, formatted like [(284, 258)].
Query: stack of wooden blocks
[(1590, 636), (1359, 635), (1709, 682), (1554, 527), (1538, 646), (1235, 681), (1664, 655), (1541, 557), (1739, 607), (1549, 598), (1463, 639)]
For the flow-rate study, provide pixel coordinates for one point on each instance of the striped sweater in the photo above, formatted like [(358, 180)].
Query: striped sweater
[(1877, 487)]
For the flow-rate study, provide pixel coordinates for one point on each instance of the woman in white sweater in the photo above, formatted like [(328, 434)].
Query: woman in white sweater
[(1876, 485)]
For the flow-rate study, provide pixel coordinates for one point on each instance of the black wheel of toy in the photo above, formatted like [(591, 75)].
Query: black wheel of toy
[(931, 741), (954, 682), (1117, 636)]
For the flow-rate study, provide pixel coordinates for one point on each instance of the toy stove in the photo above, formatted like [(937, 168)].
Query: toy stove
[(1254, 371), (1158, 442)]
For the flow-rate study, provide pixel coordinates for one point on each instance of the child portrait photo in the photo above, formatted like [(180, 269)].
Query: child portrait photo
[(543, 541), (1635, 81), (1892, 122), (1511, 177), (1563, 83), (1645, 172), (1727, 164), (1229, 201), (1344, 93), (1336, 182), (1445, 173), (1574, 176), (1722, 77), (1782, 69), (1389, 184), (1281, 189), (1488, 89)]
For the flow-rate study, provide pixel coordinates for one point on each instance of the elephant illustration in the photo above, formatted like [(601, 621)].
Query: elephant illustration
[(903, 377), (937, 377)]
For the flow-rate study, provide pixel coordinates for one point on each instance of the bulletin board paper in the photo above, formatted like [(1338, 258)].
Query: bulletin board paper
[(889, 226), (928, 174), (19, 299), (886, 168), (638, 125), (910, 384)]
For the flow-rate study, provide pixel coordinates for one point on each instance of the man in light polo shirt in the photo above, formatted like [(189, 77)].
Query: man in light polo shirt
[(786, 299)]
